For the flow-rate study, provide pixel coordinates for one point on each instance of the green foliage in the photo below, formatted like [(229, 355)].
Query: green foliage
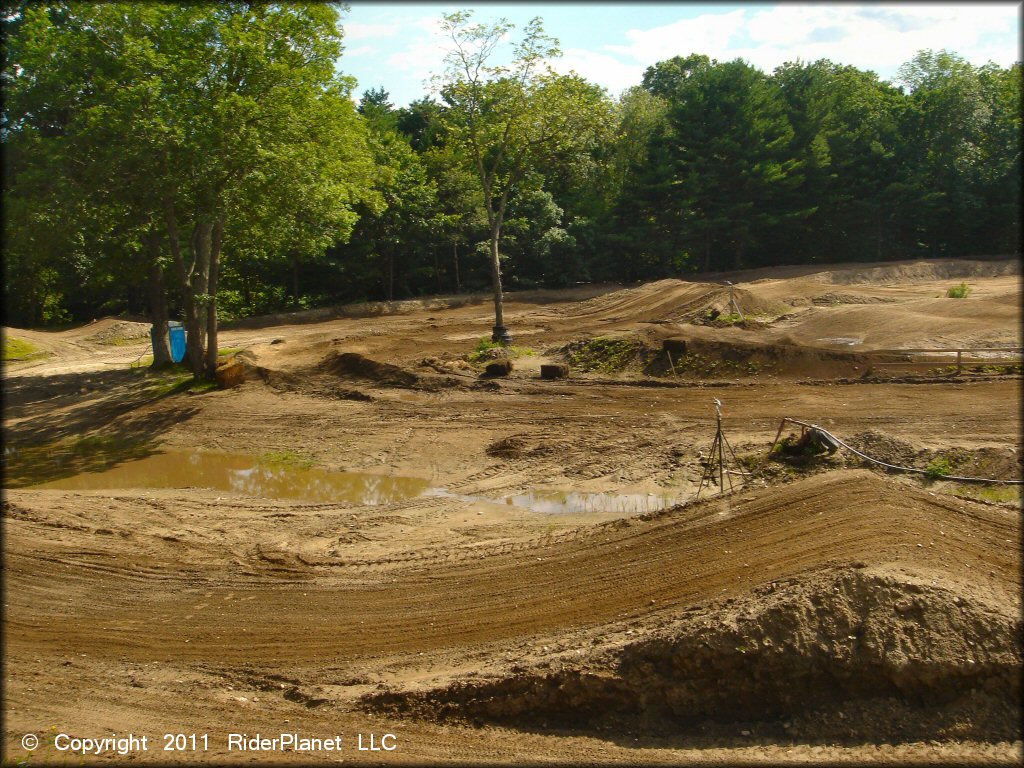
[(234, 118), (513, 122), (938, 467), (487, 350), (958, 291)]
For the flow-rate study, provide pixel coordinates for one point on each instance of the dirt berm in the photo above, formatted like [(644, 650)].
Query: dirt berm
[(779, 358), (857, 636)]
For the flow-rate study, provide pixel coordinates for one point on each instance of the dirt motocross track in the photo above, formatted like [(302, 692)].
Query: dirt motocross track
[(825, 612)]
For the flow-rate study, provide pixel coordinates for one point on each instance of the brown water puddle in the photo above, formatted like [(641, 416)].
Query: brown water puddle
[(242, 473), (255, 476)]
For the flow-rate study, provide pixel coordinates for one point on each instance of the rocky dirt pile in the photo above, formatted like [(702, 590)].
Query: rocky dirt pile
[(856, 642), (121, 332), (918, 271)]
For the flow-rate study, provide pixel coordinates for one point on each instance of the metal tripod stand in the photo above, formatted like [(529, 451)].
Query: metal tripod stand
[(716, 463)]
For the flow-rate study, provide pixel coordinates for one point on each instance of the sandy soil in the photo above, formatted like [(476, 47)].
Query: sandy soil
[(828, 613)]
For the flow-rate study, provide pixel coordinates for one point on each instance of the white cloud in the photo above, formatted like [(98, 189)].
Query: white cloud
[(872, 37), (356, 31), (702, 34), (600, 68), (422, 56), (362, 50)]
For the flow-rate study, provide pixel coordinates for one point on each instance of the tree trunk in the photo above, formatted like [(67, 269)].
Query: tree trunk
[(295, 281), (187, 295), (202, 235), (216, 239), (391, 277), (246, 292), (455, 251), (157, 302), (707, 251), (500, 332), (741, 246)]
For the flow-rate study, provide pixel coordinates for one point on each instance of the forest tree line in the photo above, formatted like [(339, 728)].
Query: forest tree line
[(199, 161)]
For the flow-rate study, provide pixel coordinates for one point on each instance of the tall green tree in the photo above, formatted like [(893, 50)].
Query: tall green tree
[(509, 121), (961, 133), (200, 120)]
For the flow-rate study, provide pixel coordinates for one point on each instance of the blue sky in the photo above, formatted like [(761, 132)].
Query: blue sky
[(397, 45)]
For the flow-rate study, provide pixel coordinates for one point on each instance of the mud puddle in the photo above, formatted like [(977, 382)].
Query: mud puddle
[(572, 502), (844, 341), (246, 474), (268, 477)]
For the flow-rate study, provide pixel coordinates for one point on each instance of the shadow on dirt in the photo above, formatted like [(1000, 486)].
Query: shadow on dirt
[(84, 422)]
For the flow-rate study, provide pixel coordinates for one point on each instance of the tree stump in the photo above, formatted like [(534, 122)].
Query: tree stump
[(498, 368), (230, 374), (554, 371)]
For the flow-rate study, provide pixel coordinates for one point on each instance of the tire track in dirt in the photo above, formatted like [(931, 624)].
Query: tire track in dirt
[(554, 586)]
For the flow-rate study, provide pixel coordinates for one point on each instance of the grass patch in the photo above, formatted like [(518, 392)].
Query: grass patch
[(143, 362), (288, 458), (19, 349), (121, 341), (487, 350), (998, 494), (166, 381), (958, 291), (147, 360)]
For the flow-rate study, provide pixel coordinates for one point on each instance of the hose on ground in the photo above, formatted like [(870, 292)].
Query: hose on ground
[(886, 464)]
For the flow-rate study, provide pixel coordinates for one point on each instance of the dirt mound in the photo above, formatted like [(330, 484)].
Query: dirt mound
[(853, 634), (356, 365), (831, 299), (1001, 463), (709, 357), (887, 448), (661, 300), (119, 332), (923, 271)]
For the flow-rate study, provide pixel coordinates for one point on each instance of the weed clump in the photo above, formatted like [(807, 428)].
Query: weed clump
[(958, 291), (701, 365), (486, 350), (937, 468), (605, 354), (287, 458)]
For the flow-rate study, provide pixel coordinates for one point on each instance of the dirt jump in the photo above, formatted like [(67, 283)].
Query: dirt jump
[(361, 548)]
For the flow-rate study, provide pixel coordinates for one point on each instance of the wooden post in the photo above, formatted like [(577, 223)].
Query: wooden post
[(670, 364)]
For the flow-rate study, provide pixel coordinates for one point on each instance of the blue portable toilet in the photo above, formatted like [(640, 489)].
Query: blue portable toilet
[(177, 333)]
